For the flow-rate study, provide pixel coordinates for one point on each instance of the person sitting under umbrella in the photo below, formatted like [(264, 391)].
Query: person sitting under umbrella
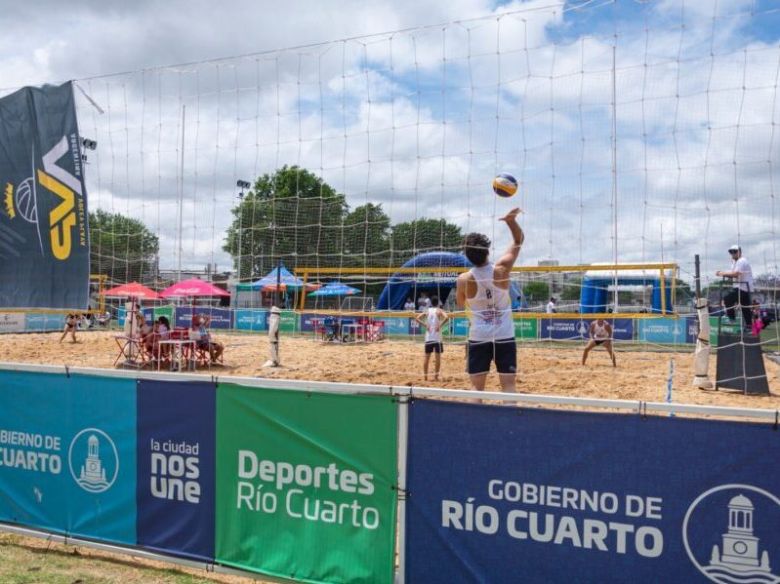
[(202, 337)]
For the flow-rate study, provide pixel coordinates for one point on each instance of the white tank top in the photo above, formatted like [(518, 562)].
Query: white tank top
[(600, 332), (432, 330), (490, 310)]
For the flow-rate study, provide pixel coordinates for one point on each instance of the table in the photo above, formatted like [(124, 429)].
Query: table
[(131, 350), (182, 354), (352, 330)]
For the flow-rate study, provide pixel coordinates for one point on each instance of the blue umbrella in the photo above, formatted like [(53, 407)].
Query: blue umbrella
[(284, 277), (335, 289)]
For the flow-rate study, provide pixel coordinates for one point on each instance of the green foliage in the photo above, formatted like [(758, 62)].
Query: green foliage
[(536, 291), (122, 248), (366, 236), (421, 235), (572, 289), (294, 216)]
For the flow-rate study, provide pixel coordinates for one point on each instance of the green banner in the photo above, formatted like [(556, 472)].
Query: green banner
[(166, 311), (305, 484), (288, 321), (527, 329), (725, 327)]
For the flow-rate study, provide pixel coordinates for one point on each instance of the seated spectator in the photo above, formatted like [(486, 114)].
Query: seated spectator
[(164, 327), (203, 339)]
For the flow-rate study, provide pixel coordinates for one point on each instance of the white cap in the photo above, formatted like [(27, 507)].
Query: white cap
[(735, 247)]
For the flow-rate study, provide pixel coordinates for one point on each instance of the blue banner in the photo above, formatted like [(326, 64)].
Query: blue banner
[(308, 320), (176, 456), (664, 330), (44, 248), (67, 456), (577, 329), (396, 325), (503, 494), (251, 320), (460, 327), (220, 317), (44, 322)]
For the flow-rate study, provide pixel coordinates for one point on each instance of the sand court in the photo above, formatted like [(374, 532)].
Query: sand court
[(548, 370)]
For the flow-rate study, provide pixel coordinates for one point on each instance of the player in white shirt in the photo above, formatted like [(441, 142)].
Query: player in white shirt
[(484, 291), (551, 306), (600, 333), (433, 318), (742, 276)]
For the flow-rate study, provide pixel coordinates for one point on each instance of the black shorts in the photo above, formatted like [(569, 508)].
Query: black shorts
[(601, 342), (433, 347), (503, 352)]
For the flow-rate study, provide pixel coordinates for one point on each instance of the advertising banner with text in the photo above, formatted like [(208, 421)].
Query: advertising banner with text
[(176, 478), (504, 494), (305, 484), (67, 454), (44, 242)]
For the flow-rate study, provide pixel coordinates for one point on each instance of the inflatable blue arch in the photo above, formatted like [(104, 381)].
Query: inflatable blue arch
[(594, 295), (439, 281)]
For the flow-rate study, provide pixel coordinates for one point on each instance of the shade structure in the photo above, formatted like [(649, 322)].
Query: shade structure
[(281, 277), (132, 290), (192, 288), (335, 289)]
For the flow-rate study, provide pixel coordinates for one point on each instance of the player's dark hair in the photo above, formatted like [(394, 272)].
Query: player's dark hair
[(476, 247), (434, 301)]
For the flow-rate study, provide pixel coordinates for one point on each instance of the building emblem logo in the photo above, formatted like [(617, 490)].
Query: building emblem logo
[(737, 554), (93, 460)]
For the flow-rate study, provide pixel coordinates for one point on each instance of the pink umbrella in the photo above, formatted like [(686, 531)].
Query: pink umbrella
[(193, 287), (132, 290)]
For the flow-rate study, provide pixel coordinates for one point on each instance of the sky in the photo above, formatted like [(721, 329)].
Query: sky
[(417, 105)]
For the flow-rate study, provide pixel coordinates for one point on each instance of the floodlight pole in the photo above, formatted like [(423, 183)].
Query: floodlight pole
[(277, 294)]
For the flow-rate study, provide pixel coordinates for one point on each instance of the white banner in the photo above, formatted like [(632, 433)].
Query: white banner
[(11, 322)]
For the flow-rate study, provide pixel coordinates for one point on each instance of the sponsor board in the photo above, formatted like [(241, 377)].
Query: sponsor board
[(312, 479), (570, 496), (251, 320), (13, 322)]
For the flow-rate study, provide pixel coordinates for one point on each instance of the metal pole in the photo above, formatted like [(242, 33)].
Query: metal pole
[(181, 190), (614, 168), (240, 218), (697, 275), (278, 284)]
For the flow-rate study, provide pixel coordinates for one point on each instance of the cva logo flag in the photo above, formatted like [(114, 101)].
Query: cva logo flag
[(44, 202)]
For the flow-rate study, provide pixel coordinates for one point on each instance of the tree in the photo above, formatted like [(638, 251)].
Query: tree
[(291, 215), (122, 248), (572, 289), (367, 236), (420, 235), (536, 291)]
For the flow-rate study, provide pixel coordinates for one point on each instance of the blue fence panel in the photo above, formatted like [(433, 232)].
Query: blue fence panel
[(251, 319), (508, 495), (577, 329), (67, 459), (221, 318), (44, 322), (663, 330), (176, 467)]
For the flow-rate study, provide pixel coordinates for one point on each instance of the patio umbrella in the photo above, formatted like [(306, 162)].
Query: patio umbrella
[(132, 290), (282, 277), (192, 288), (335, 289)]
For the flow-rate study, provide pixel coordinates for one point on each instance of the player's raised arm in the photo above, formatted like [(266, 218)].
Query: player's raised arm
[(508, 259)]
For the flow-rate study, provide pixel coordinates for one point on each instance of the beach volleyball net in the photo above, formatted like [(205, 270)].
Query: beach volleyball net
[(639, 133)]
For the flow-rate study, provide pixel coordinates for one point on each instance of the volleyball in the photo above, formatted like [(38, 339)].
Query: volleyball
[(505, 185)]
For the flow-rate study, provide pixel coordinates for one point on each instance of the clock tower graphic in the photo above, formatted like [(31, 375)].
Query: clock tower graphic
[(739, 554)]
